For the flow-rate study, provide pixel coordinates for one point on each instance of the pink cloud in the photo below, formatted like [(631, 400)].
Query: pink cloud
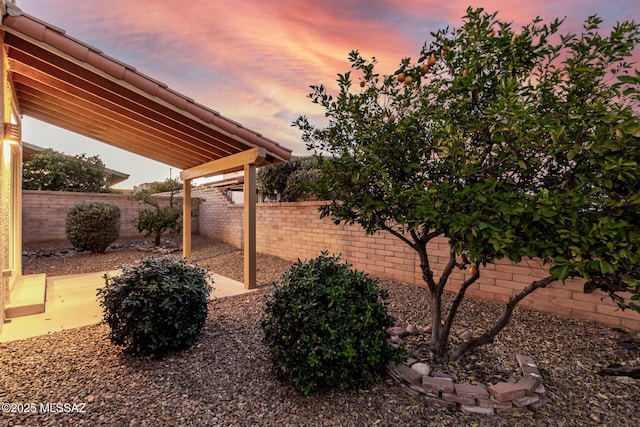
[(253, 60)]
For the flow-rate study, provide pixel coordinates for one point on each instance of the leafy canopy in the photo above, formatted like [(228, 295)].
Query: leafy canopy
[(54, 171), (510, 142), (154, 222), (295, 180)]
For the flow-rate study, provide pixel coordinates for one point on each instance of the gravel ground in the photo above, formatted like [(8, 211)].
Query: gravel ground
[(226, 379)]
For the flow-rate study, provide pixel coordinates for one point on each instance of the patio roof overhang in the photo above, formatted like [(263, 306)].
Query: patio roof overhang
[(69, 84)]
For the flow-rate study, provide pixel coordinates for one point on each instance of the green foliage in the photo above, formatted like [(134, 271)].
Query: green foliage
[(511, 143), (159, 220), (167, 186), (326, 326), (154, 222), (156, 307), (93, 225), (295, 180), (54, 171)]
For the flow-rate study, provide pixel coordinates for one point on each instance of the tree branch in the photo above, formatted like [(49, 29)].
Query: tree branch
[(447, 269), (453, 310), (401, 237), (489, 335)]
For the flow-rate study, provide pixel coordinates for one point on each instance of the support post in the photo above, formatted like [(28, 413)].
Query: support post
[(249, 226), (186, 219)]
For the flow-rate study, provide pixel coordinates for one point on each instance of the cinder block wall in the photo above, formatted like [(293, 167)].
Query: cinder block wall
[(295, 230), (44, 213)]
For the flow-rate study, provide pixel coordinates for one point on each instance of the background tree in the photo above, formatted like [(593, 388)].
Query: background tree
[(509, 143), (167, 186), (154, 222), (294, 180), (54, 171)]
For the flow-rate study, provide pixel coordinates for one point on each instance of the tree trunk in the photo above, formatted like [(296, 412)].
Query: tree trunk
[(438, 341)]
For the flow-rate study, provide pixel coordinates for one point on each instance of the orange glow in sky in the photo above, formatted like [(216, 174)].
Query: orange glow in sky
[(253, 60)]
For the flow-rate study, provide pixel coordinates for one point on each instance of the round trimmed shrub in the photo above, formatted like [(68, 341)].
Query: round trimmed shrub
[(326, 326), (157, 306), (93, 226)]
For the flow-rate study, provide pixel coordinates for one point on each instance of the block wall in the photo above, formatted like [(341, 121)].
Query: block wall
[(295, 230), (44, 213)]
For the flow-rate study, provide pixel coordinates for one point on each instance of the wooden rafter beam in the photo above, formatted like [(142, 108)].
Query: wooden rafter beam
[(232, 163)]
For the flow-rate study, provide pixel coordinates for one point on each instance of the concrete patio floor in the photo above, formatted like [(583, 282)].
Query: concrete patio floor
[(71, 303)]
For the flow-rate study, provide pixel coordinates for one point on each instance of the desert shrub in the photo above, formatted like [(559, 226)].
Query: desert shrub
[(154, 222), (93, 225), (156, 307), (325, 326)]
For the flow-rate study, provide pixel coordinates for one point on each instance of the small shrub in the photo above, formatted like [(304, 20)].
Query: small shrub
[(156, 307), (325, 325), (93, 225), (154, 222)]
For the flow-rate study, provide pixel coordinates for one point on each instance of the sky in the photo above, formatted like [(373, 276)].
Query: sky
[(254, 60)]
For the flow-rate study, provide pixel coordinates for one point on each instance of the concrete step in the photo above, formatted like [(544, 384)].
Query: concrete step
[(28, 296)]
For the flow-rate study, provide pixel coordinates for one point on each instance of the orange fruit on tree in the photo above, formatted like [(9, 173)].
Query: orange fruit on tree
[(474, 270), (401, 77), (362, 83), (408, 80), (425, 69), (431, 61)]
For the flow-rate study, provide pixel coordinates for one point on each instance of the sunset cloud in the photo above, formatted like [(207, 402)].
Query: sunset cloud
[(253, 60)]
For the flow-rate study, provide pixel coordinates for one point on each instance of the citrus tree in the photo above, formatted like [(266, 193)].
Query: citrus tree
[(510, 143)]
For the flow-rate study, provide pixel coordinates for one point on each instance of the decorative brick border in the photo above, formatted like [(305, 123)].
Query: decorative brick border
[(503, 398)]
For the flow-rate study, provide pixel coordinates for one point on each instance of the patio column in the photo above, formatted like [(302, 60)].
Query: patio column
[(249, 226), (248, 161), (186, 219)]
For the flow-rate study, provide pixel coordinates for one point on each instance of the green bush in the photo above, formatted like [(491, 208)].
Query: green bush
[(156, 221), (325, 325), (93, 225), (294, 180), (156, 307), (301, 185)]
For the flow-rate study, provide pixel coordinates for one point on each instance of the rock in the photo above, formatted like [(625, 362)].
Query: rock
[(421, 368), (464, 334), (413, 330), (397, 340), (410, 361), (398, 331)]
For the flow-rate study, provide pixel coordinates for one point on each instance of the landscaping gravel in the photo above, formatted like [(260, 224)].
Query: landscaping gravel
[(226, 379)]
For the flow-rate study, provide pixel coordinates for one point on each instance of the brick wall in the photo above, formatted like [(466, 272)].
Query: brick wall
[(44, 213), (295, 230)]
